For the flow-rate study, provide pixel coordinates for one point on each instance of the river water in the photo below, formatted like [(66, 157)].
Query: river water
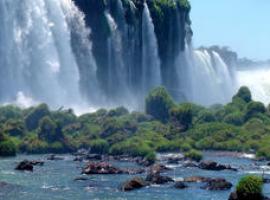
[(55, 181)]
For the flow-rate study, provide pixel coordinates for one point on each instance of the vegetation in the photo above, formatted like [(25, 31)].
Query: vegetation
[(250, 186), (241, 125)]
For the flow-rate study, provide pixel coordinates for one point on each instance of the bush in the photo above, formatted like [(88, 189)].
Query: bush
[(244, 94), (158, 104), (99, 146), (250, 186), (253, 109), (194, 155), (7, 148), (206, 116), (236, 118), (151, 157), (181, 116), (32, 119), (48, 130)]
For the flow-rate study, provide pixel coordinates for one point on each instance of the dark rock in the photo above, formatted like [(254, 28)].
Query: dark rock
[(101, 168), (197, 179), (25, 166), (37, 162), (93, 157), (154, 176), (158, 168), (54, 157), (212, 165), (180, 185), (236, 196), (134, 183), (80, 178), (82, 152), (188, 164), (78, 158), (158, 179), (217, 184), (107, 168)]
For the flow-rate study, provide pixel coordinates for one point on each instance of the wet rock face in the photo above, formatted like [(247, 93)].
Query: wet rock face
[(134, 183), (211, 165)]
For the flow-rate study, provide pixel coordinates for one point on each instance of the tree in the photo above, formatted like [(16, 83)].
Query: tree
[(244, 94), (158, 104), (32, 119), (48, 130)]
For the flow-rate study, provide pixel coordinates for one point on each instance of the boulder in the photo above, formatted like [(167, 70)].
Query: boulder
[(197, 179), (217, 184), (212, 165), (132, 184), (107, 168), (188, 164), (158, 179), (25, 166), (154, 176), (101, 168), (235, 196), (180, 185)]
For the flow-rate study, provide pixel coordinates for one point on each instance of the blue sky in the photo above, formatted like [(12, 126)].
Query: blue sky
[(243, 25)]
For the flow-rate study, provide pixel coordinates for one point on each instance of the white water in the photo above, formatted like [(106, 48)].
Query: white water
[(151, 63), (210, 79), (36, 55), (258, 81), (46, 56)]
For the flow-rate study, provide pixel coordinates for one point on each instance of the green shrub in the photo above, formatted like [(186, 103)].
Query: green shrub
[(7, 148), (181, 116), (99, 146), (117, 112), (32, 119), (47, 130), (244, 94), (253, 109), (236, 118), (250, 186), (194, 155), (158, 104), (205, 116), (151, 157)]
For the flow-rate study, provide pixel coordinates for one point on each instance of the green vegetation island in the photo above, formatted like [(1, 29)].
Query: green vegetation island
[(166, 126)]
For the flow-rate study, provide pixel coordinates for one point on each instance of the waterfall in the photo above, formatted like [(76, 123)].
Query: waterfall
[(46, 55), (151, 76), (36, 55), (210, 79), (257, 80)]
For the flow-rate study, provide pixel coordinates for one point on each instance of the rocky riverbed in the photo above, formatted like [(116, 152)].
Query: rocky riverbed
[(122, 178)]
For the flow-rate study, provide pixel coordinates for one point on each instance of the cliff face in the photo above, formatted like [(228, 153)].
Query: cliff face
[(117, 37)]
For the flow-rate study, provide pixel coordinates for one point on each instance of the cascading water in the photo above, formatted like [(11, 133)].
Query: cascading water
[(210, 78), (46, 54), (257, 80), (36, 56), (151, 76)]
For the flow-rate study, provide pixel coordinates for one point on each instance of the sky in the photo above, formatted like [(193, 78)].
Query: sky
[(243, 25)]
